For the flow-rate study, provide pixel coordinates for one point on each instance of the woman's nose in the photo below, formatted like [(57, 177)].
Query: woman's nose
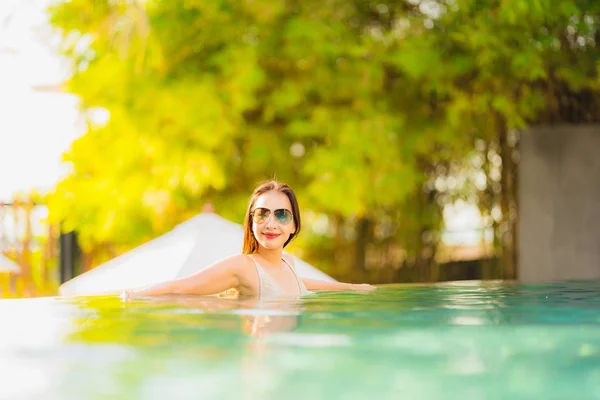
[(270, 220)]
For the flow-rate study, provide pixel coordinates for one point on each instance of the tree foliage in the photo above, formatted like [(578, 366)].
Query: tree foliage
[(358, 104)]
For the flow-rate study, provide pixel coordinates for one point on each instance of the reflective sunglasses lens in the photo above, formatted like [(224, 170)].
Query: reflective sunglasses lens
[(261, 215), (283, 216)]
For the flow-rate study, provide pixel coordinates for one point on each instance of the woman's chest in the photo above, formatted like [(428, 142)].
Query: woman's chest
[(265, 281)]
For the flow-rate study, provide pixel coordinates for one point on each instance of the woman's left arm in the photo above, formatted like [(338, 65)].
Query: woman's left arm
[(318, 285)]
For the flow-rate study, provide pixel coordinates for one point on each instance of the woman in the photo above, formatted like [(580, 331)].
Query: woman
[(262, 270)]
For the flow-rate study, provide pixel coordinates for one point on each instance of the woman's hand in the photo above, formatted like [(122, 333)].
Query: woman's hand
[(126, 295), (363, 287), (317, 285)]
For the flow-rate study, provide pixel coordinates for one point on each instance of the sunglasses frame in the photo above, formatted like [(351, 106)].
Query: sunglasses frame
[(273, 212)]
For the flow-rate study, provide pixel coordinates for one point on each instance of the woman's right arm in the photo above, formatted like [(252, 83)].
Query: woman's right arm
[(213, 279)]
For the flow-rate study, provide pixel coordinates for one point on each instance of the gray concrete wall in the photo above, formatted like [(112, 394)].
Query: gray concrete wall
[(559, 203)]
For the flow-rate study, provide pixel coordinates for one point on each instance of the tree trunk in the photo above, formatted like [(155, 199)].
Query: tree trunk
[(339, 264), (362, 240), (515, 205), (506, 200)]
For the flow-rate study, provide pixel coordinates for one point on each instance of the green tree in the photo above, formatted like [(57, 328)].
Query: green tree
[(360, 105)]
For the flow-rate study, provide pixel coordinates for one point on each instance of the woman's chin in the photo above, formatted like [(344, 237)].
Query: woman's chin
[(270, 245)]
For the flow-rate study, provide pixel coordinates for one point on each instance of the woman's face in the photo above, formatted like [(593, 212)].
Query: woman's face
[(272, 222)]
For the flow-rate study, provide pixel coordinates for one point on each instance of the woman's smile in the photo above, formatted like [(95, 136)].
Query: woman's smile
[(271, 235)]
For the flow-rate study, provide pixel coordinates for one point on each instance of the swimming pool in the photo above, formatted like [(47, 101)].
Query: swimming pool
[(468, 340)]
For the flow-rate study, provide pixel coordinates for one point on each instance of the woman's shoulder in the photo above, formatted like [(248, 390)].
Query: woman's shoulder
[(235, 262), (240, 259), (243, 266)]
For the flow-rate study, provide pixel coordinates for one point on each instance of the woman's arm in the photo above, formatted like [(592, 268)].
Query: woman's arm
[(213, 279), (313, 284)]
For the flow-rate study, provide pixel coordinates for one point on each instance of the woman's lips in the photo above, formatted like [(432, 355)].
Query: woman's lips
[(270, 235)]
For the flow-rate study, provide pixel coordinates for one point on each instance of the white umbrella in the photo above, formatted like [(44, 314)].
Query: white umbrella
[(8, 265), (187, 248)]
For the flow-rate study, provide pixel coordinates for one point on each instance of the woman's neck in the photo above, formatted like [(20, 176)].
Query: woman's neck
[(273, 256)]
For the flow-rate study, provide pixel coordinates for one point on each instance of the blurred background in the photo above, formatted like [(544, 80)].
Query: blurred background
[(397, 123)]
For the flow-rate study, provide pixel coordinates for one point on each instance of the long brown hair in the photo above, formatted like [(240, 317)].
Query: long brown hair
[(250, 243)]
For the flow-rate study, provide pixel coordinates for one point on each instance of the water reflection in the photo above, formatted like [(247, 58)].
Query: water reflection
[(258, 318), (474, 339), (139, 322)]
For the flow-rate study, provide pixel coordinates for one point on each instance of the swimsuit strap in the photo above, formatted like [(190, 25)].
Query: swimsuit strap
[(295, 274)]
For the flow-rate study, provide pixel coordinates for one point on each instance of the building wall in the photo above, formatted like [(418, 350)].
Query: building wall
[(559, 200)]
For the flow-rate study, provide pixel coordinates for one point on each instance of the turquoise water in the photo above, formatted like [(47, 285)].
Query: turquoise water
[(467, 340)]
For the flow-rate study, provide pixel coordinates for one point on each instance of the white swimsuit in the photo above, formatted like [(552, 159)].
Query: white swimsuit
[(269, 288)]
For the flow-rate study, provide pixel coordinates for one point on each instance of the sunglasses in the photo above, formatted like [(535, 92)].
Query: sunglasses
[(282, 215)]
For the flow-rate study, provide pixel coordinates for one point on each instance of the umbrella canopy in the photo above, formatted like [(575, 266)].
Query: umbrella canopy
[(187, 248), (8, 265)]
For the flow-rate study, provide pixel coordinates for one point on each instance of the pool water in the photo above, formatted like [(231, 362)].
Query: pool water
[(467, 340)]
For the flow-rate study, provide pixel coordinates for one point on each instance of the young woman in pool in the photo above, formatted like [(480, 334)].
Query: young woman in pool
[(262, 270)]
